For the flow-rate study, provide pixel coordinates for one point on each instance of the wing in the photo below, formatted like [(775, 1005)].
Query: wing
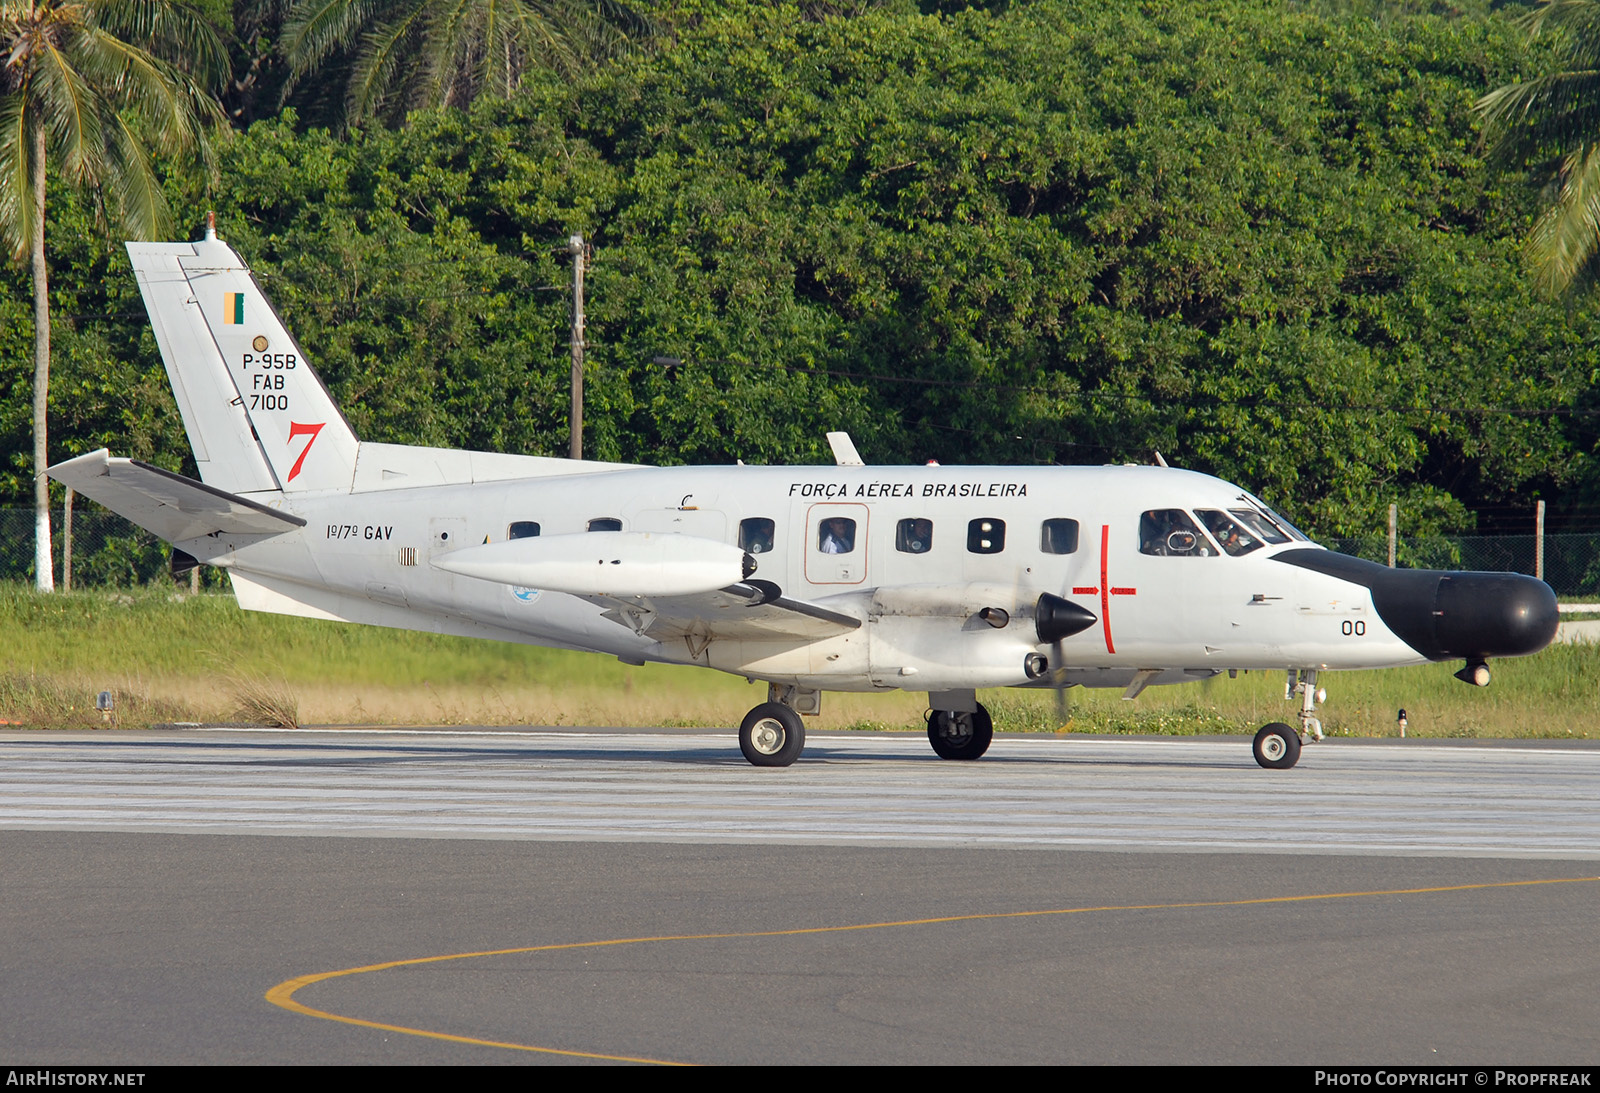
[(174, 507), (747, 611), (663, 585)]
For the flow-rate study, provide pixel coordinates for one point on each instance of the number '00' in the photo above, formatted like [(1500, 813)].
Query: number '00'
[(1358, 628)]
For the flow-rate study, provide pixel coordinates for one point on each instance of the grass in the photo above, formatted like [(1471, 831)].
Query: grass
[(170, 656)]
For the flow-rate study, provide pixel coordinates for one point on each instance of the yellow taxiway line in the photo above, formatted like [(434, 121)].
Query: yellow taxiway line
[(283, 994)]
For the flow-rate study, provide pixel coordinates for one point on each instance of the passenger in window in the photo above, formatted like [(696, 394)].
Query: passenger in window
[(914, 536), (837, 536), (755, 535)]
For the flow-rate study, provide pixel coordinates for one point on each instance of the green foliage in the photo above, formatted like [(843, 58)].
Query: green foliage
[(1261, 240)]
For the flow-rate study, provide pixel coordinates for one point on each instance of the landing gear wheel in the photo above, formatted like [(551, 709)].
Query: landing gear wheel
[(772, 735), (960, 735), (1277, 746)]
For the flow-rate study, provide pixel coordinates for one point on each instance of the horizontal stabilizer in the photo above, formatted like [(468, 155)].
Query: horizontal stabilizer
[(174, 507), (622, 564)]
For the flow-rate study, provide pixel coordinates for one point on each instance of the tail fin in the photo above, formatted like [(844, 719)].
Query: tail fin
[(257, 415)]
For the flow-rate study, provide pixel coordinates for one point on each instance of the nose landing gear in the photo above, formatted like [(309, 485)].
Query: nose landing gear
[(1277, 746)]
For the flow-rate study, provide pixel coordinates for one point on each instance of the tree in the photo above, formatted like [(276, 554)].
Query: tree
[(1552, 124), (408, 54), (76, 89)]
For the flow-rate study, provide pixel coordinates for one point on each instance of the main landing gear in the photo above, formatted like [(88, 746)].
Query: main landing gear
[(959, 734), (772, 734), (1277, 746)]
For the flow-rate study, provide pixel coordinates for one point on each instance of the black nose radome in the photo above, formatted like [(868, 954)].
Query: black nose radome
[(1445, 615), (1055, 618)]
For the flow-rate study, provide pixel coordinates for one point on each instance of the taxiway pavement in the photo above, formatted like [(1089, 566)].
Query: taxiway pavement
[(651, 896)]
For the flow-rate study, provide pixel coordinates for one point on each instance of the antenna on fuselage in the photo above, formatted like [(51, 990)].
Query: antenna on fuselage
[(1159, 461), (844, 450)]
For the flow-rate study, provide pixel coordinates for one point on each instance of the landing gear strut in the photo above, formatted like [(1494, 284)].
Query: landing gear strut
[(1277, 746), (957, 734)]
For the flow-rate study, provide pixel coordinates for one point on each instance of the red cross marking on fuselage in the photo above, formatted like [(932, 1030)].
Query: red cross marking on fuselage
[(1105, 590)]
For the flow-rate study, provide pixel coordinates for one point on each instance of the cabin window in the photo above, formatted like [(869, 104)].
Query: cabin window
[(605, 523), (1171, 533), (986, 536), (1059, 537), (914, 536), (836, 535), (1234, 538), (755, 534), (522, 529)]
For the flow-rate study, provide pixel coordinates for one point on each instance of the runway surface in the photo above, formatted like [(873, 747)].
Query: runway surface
[(1062, 900)]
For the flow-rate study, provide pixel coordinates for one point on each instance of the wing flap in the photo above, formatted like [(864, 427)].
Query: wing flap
[(174, 507)]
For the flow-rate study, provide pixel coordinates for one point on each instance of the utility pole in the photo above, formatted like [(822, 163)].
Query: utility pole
[(576, 248), (1538, 541)]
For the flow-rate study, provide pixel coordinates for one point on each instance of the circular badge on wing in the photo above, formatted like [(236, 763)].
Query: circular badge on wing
[(260, 343), (526, 595)]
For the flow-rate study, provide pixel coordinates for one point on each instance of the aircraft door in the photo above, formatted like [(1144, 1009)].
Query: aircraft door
[(836, 544)]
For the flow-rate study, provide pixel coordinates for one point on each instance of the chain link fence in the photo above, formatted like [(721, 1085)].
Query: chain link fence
[(108, 551)]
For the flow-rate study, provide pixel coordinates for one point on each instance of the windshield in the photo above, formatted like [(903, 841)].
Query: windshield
[(1230, 535), (1288, 528)]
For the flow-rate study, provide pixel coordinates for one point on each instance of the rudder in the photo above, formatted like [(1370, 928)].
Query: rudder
[(256, 413)]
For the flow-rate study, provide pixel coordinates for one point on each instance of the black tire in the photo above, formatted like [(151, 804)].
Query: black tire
[(772, 735), (1277, 746), (960, 735)]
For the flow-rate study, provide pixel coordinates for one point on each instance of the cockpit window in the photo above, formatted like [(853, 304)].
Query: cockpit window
[(1234, 538), (1288, 528), (1266, 529), (1172, 533)]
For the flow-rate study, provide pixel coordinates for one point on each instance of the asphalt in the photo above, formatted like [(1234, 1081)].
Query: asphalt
[(648, 896)]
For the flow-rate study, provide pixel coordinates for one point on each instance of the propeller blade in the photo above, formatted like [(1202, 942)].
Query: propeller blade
[(1058, 676)]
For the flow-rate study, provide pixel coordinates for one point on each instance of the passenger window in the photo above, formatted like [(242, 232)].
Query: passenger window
[(1233, 539), (1059, 537), (986, 536), (605, 523), (522, 529), (1171, 533), (837, 535), (914, 536), (755, 535)]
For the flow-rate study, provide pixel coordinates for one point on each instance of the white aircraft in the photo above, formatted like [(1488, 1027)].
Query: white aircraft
[(817, 578)]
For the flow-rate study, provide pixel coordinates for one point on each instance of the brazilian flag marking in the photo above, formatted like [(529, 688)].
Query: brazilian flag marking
[(233, 308)]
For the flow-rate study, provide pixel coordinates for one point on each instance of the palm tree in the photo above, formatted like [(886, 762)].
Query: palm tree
[(408, 54), (1552, 124), (94, 86)]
